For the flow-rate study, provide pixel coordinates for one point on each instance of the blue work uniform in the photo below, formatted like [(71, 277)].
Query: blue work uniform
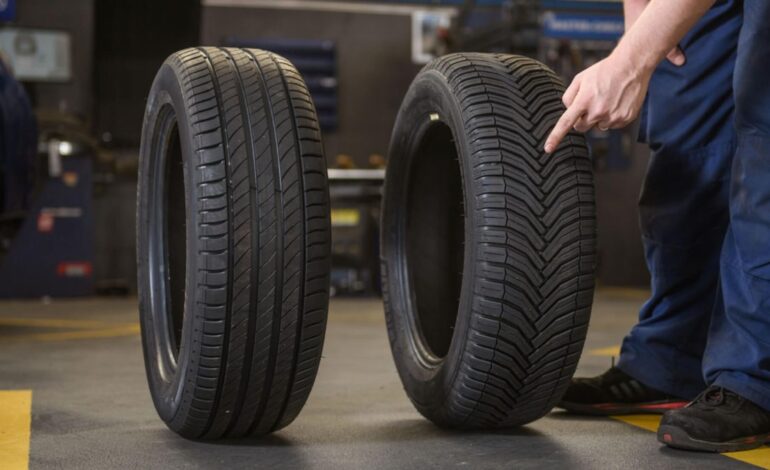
[(705, 212)]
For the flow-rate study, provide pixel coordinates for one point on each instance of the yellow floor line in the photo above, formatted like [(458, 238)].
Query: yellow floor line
[(611, 351), (759, 457), (15, 422), (75, 329), (114, 332), (646, 422), (51, 323)]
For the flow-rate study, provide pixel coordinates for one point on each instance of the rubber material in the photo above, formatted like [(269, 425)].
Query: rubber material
[(617, 409), (678, 438), (233, 242), (488, 244)]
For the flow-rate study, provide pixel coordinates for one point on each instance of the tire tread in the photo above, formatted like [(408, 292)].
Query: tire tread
[(263, 206)]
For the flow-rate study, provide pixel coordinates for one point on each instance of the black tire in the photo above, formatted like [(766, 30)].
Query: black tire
[(233, 242), (488, 244)]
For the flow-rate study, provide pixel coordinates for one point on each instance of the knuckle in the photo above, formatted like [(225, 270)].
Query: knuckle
[(602, 109)]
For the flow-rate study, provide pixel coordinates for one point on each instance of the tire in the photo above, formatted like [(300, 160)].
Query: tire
[(488, 244), (233, 242)]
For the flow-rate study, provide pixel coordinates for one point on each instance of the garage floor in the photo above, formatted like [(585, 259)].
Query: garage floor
[(91, 409)]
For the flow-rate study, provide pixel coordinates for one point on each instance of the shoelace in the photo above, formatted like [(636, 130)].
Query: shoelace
[(714, 396)]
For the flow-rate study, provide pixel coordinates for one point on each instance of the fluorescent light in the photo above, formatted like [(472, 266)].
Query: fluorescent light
[(65, 148)]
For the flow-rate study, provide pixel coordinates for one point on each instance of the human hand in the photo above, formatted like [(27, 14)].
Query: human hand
[(608, 94)]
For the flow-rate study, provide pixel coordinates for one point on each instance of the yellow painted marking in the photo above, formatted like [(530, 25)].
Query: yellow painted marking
[(15, 422), (434, 117), (74, 329), (759, 457), (646, 422), (127, 330), (611, 351), (51, 323)]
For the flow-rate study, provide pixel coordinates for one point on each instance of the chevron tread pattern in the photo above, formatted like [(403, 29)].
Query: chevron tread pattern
[(534, 248), (261, 196)]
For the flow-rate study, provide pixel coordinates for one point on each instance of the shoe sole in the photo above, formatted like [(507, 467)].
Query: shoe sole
[(679, 439), (615, 409)]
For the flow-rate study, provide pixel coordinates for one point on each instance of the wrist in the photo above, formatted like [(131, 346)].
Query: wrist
[(638, 60)]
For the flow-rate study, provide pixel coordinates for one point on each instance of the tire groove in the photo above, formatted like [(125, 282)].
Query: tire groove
[(276, 326), (254, 232), (228, 299)]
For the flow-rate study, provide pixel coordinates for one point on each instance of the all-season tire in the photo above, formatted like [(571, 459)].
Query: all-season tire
[(488, 244), (233, 242)]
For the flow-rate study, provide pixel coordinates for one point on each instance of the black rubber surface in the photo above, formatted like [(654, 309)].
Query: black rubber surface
[(233, 242), (678, 438), (488, 244)]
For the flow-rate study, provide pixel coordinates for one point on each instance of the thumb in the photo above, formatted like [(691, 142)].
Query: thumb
[(677, 57)]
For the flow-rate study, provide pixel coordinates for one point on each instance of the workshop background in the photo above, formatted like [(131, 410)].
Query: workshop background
[(358, 58), (73, 83)]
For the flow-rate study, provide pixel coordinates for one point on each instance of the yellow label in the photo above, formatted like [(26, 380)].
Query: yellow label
[(345, 217)]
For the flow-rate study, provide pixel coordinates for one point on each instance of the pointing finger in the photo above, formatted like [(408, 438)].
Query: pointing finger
[(563, 127)]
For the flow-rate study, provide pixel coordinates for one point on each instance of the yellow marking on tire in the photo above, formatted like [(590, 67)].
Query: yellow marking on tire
[(758, 457), (434, 117), (15, 424)]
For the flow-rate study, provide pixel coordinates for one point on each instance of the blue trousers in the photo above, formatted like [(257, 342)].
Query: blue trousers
[(705, 212)]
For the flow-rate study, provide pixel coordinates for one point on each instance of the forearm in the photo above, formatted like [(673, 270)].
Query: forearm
[(631, 11), (658, 29)]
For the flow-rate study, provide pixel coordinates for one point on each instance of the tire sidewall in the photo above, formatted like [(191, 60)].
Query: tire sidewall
[(428, 385), (170, 391)]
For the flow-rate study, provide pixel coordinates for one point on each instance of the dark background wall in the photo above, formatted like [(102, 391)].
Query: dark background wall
[(132, 41), (373, 56), (118, 46), (77, 18)]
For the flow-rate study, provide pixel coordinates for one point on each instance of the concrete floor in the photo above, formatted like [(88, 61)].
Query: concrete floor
[(91, 408)]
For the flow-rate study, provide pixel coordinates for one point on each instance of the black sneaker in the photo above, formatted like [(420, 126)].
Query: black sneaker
[(616, 393), (718, 420)]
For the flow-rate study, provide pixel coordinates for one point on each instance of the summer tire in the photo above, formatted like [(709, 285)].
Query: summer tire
[(233, 242)]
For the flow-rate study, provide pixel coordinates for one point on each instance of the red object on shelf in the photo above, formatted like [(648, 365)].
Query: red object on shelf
[(74, 269)]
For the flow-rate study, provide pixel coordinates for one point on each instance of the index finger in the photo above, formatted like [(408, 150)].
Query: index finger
[(563, 127)]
